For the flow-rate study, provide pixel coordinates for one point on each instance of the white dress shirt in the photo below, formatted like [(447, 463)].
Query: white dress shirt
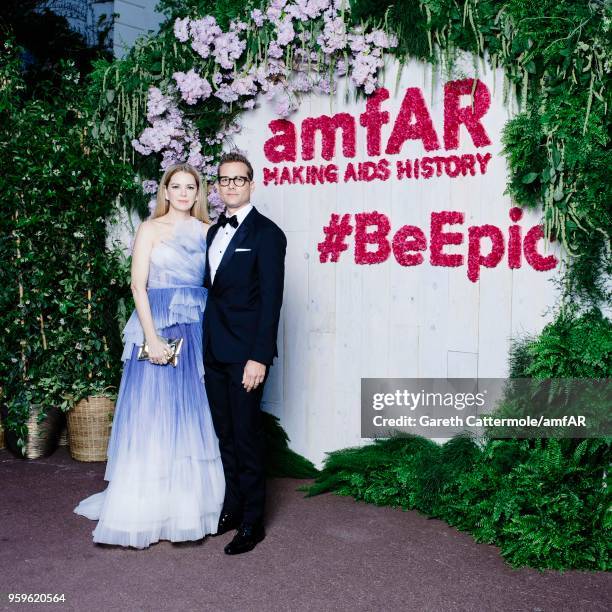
[(222, 240)]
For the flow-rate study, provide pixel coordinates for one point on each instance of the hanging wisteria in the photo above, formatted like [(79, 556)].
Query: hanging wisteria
[(310, 45)]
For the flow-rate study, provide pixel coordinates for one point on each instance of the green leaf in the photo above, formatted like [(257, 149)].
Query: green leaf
[(558, 194), (529, 178)]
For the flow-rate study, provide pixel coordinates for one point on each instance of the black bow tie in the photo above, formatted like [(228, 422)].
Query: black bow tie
[(223, 220)]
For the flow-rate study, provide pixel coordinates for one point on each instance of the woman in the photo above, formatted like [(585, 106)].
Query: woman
[(164, 469)]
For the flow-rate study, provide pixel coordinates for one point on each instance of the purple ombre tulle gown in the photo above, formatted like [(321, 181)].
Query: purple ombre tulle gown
[(164, 468)]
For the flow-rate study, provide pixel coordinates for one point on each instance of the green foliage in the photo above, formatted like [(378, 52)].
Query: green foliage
[(224, 11), (556, 58), (60, 340), (572, 346), (544, 503), (281, 461), (406, 19)]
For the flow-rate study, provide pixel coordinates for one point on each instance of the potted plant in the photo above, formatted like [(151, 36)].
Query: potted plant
[(60, 286)]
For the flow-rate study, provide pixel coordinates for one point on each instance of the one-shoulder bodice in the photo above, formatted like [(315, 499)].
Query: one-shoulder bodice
[(179, 261), (175, 283)]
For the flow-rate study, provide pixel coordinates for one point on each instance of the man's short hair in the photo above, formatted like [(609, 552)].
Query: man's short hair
[(234, 156)]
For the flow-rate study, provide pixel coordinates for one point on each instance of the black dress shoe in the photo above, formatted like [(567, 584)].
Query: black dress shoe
[(248, 536), (227, 522)]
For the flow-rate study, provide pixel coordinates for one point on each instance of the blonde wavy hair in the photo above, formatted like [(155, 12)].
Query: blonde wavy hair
[(199, 210)]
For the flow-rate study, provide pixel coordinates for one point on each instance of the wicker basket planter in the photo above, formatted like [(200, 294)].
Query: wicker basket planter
[(89, 424), (63, 441), (43, 437)]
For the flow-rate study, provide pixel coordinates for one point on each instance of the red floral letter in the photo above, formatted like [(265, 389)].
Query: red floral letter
[(281, 147), (373, 119), (378, 237), (423, 129), (440, 238), (328, 127), (475, 258), (534, 259), (470, 117), (270, 175), (409, 238), (514, 239)]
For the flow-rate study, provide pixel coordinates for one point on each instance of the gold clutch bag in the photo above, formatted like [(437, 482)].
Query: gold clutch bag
[(175, 344)]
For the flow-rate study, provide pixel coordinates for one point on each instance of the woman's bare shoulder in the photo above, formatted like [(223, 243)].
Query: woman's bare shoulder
[(204, 227), (148, 228)]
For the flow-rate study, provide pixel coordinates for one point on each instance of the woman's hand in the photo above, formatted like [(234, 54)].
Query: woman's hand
[(159, 351)]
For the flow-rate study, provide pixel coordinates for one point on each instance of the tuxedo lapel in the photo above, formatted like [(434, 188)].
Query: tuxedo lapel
[(238, 238), (210, 236)]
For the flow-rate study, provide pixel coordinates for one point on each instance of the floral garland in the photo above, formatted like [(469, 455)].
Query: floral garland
[(310, 45)]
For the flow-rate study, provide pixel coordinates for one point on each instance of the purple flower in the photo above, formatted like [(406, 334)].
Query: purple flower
[(275, 10), (381, 39), (215, 201), (357, 42), (149, 186), (283, 107), (195, 159), (274, 50), (157, 103), (226, 94), (244, 86), (151, 206), (258, 17), (259, 74), (274, 68), (285, 32), (209, 171), (323, 85), (156, 138), (169, 158), (192, 86), (297, 10), (227, 48), (181, 29), (313, 8), (363, 70), (301, 82), (341, 67), (284, 104), (333, 37), (204, 32), (238, 26)]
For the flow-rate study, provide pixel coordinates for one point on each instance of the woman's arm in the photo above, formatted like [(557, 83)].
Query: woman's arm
[(141, 254)]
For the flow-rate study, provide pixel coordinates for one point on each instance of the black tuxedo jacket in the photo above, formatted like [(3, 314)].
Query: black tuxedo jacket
[(244, 301)]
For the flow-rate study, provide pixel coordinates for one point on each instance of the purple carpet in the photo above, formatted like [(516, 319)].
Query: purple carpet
[(321, 553)]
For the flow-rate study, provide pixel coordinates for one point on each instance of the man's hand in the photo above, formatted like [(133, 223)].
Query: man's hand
[(254, 374)]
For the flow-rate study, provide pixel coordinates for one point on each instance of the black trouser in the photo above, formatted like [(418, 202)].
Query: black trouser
[(236, 415)]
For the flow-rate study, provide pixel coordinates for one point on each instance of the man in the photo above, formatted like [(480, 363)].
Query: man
[(244, 277)]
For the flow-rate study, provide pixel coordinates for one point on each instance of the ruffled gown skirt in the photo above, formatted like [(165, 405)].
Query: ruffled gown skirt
[(164, 468)]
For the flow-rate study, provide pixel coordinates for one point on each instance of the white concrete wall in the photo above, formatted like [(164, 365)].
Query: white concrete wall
[(343, 321)]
